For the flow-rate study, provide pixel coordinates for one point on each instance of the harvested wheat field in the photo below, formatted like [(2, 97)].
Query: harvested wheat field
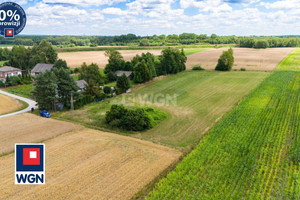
[(8, 104), (75, 59), (251, 59), (89, 164), (26, 128)]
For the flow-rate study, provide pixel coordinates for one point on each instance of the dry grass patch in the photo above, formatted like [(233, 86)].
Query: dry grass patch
[(251, 59), (75, 59), (89, 164), (26, 128), (8, 104)]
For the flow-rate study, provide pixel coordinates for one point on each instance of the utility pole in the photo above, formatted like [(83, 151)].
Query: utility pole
[(72, 104)]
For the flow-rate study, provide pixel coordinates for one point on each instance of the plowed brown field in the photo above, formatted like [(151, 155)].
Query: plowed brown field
[(75, 59), (87, 164), (8, 104), (251, 59)]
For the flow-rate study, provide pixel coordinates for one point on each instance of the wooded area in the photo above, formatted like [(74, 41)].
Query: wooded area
[(156, 40)]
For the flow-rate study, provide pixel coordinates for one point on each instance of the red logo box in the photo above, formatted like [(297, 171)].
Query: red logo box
[(31, 156)]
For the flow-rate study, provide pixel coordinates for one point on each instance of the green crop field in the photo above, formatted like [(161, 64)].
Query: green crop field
[(202, 98), (291, 62), (252, 153), (22, 90), (194, 50)]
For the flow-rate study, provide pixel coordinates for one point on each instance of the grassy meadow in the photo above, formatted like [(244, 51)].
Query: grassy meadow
[(193, 100), (21, 90)]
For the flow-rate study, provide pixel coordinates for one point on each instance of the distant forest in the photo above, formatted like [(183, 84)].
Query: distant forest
[(156, 40)]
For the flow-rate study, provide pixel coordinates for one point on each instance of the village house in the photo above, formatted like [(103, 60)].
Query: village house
[(128, 74), (41, 68), (9, 71), (81, 84)]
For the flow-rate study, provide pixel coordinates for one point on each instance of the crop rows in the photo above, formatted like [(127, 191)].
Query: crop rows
[(252, 153)]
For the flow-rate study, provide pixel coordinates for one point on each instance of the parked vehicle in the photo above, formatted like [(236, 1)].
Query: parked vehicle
[(45, 113)]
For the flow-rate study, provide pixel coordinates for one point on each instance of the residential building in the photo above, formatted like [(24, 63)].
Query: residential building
[(41, 68), (9, 71)]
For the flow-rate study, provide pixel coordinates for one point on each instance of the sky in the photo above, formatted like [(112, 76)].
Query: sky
[(149, 17)]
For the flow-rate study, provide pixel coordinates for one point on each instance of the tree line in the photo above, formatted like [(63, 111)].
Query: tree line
[(156, 40)]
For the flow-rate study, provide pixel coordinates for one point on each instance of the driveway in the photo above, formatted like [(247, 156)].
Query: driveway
[(31, 104)]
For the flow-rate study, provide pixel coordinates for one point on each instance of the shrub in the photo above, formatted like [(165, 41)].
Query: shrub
[(107, 90), (137, 119), (197, 67), (111, 76), (225, 61), (123, 83), (243, 69)]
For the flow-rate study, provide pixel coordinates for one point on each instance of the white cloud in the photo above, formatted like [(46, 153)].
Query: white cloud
[(114, 11), (214, 6)]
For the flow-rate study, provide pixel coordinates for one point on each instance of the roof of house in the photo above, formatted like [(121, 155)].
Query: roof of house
[(81, 84), (41, 68), (120, 73), (8, 69)]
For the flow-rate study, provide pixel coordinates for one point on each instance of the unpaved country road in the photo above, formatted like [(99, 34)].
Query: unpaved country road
[(31, 104)]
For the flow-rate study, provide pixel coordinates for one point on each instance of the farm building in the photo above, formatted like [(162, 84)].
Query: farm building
[(127, 73), (41, 68), (9, 71), (81, 84)]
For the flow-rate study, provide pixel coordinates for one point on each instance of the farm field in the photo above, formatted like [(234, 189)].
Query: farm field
[(8, 104), (251, 59), (252, 152), (89, 164), (202, 98), (291, 62), (75, 59), (27, 128)]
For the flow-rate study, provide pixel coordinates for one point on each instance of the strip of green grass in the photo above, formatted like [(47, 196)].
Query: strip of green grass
[(193, 100), (291, 62), (22, 90), (193, 50), (252, 153)]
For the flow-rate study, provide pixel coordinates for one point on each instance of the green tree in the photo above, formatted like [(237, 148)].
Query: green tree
[(45, 90), (226, 61), (172, 61), (115, 61), (141, 73), (144, 42), (66, 85), (92, 89), (261, 44), (123, 83), (90, 73), (60, 64)]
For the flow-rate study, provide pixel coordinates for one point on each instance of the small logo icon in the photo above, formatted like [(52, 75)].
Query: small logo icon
[(9, 33), (12, 19), (30, 164)]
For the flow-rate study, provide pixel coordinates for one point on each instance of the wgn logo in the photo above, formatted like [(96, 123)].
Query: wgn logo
[(30, 164)]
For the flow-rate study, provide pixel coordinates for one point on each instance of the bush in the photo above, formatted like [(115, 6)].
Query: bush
[(107, 90), (137, 119), (225, 61), (197, 67), (111, 76), (243, 69)]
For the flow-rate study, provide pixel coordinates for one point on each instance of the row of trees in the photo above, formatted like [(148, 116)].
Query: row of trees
[(146, 66), (155, 40), (26, 58)]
